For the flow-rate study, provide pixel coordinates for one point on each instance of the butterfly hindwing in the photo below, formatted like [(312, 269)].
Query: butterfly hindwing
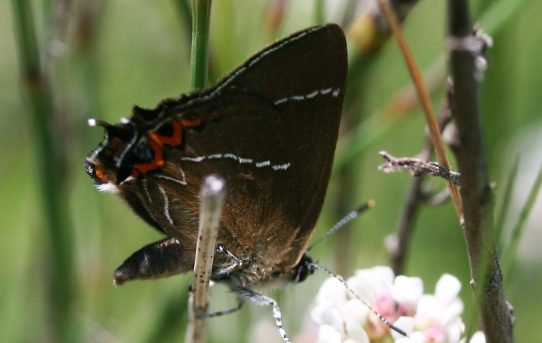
[(269, 129)]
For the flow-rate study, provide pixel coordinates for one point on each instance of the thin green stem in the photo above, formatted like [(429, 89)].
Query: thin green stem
[(185, 16), (201, 14), (509, 254), (50, 171), (319, 13), (507, 200), (27, 41), (499, 13)]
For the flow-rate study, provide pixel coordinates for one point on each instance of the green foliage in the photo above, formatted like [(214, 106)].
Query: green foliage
[(138, 53)]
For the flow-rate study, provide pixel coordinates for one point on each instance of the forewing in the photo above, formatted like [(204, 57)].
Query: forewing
[(270, 130)]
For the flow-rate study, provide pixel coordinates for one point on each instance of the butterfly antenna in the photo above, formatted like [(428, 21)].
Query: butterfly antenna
[(341, 223), (355, 295)]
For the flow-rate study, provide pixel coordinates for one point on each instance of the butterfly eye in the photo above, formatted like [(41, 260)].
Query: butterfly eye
[(304, 268), (96, 173)]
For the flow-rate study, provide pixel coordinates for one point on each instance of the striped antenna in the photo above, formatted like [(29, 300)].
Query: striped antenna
[(341, 223)]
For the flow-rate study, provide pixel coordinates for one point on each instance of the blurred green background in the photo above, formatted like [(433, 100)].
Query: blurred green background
[(112, 55)]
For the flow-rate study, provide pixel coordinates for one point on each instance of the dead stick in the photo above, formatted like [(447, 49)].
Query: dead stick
[(417, 167), (415, 198), (212, 199)]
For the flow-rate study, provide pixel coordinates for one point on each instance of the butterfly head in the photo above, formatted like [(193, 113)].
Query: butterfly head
[(112, 161), (303, 269)]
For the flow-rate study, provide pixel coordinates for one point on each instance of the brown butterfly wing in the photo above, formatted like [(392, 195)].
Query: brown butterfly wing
[(294, 74), (270, 130)]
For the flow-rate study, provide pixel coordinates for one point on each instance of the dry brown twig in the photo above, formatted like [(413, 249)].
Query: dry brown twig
[(212, 199), (417, 167), (414, 199), (417, 79)]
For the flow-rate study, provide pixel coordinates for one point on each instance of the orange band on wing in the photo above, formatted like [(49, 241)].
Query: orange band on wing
[(157, 141), (192, 122), (157, 162), (173, 140)]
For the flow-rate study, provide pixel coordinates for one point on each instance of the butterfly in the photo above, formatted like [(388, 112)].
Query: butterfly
[(269, 129)]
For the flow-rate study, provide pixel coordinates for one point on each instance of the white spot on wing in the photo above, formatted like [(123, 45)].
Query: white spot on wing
[(241, 160), (166, 205), (312, 95), (303, 97), (263, 164), (193, 159), (245, 160), (281, 166)]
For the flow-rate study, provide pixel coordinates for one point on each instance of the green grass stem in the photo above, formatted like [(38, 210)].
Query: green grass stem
[(507, 200), (49, 169), (201, 14), (510, 250)]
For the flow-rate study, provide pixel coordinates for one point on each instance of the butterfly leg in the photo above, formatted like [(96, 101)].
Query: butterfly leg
[(156, 260), (260, 299), (224, 272), (228, 311)]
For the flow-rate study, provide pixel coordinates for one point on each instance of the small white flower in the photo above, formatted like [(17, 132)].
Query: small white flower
[(426, 318), (478, 337), (390, 296), (438, 316), (407, 291), (328, 334), (407, 325), (329, 303)]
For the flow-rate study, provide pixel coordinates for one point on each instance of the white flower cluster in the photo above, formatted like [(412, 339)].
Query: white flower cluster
[(426, 318)]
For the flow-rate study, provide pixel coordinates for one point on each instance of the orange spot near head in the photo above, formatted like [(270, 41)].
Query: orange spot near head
[(192, 122), (100, 175)]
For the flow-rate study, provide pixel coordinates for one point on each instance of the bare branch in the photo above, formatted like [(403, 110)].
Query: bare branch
[(415, 197), (417, 167)]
